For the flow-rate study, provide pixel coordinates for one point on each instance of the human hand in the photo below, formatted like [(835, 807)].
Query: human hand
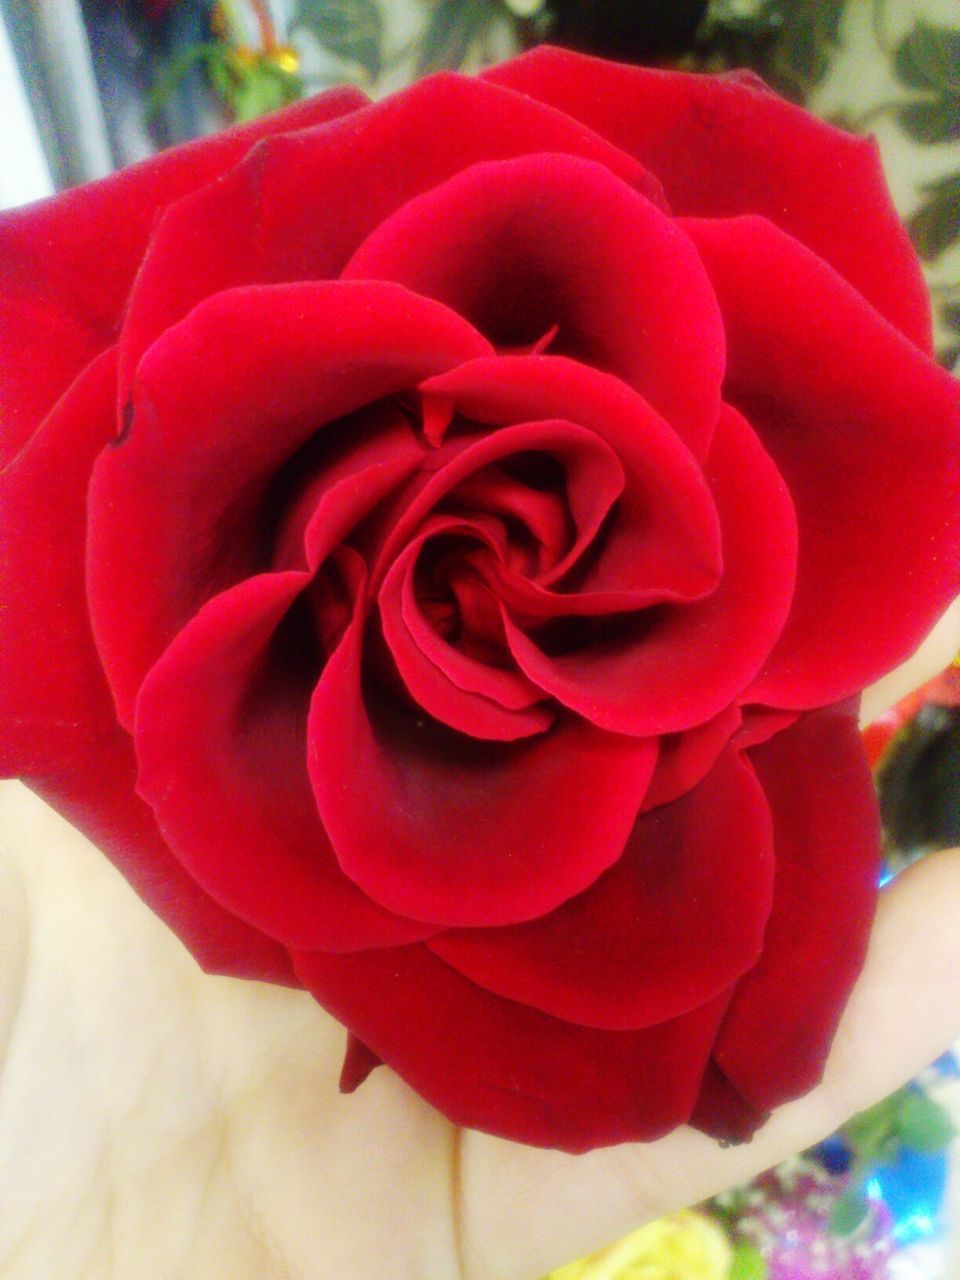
[(159, 1122)]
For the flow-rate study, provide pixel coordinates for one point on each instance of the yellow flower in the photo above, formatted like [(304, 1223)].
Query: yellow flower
[(684, 1246)]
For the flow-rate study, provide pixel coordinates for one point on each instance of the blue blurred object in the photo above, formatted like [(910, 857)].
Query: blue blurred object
[(912, 1186), (834, 1154), (948, 1064)]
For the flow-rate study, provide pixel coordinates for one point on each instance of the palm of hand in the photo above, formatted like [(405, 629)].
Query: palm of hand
[(157, 1122)]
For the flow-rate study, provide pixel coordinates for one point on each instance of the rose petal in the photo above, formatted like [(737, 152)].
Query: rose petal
[(48, 722), (781, 1020), (491, 1064), (286, 212), (724, 146), (686, 758), (59, 732), (722, 1112), (43, 348), (516, 246), (678, 666), (221, 740), (250, 376), (455, 688), (678, 919), (457, 831), (869, 446), (665, 535)]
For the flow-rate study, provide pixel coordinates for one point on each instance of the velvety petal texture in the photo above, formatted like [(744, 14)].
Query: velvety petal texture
[(69, 262), (726, 145), (856, 451), (525, 1069), (443, 541), (826, 838), (222, 403), (675, 922)]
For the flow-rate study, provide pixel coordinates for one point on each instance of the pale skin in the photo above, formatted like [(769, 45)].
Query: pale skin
[(157, 1122)]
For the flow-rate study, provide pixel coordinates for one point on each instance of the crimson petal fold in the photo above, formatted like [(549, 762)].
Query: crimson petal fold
[(678, 919), (491, 1064), (456, 831), (781, 1020), (726, 145), (869, 446), (221, 741), (221, 402)]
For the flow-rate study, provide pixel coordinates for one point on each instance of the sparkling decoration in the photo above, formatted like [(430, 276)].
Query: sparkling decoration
[(912, 1188), (786, 1213)]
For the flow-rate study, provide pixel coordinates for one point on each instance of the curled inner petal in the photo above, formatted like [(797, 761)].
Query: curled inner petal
[(452, 677)]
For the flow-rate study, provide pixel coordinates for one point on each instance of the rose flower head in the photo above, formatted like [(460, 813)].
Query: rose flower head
[(445, 542)]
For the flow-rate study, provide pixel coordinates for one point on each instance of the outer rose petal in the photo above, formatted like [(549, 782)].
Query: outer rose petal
[(494, 1065), (67, 263), (775, 1037), (46, 723), (674, 923), (289, 213), (100, 799), (724, 147), (721, 1111), (60, 733), (442, 828), (258, 371), (869, 446), (514, 246)]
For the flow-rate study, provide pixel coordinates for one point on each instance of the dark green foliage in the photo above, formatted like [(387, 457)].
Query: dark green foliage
[(936, 224), (929, 58)]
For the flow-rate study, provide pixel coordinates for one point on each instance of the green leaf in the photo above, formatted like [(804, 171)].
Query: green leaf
[(869, 1132), (937, 120), (747, 1263), (928, 57), (923, 1125), (936, 224), (951, 315), (453, 27), (848, 1212), (352, 29)]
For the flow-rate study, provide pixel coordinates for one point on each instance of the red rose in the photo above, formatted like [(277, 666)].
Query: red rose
[(445, 542)]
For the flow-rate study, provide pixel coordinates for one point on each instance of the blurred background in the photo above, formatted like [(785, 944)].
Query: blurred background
[(87, 86)]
